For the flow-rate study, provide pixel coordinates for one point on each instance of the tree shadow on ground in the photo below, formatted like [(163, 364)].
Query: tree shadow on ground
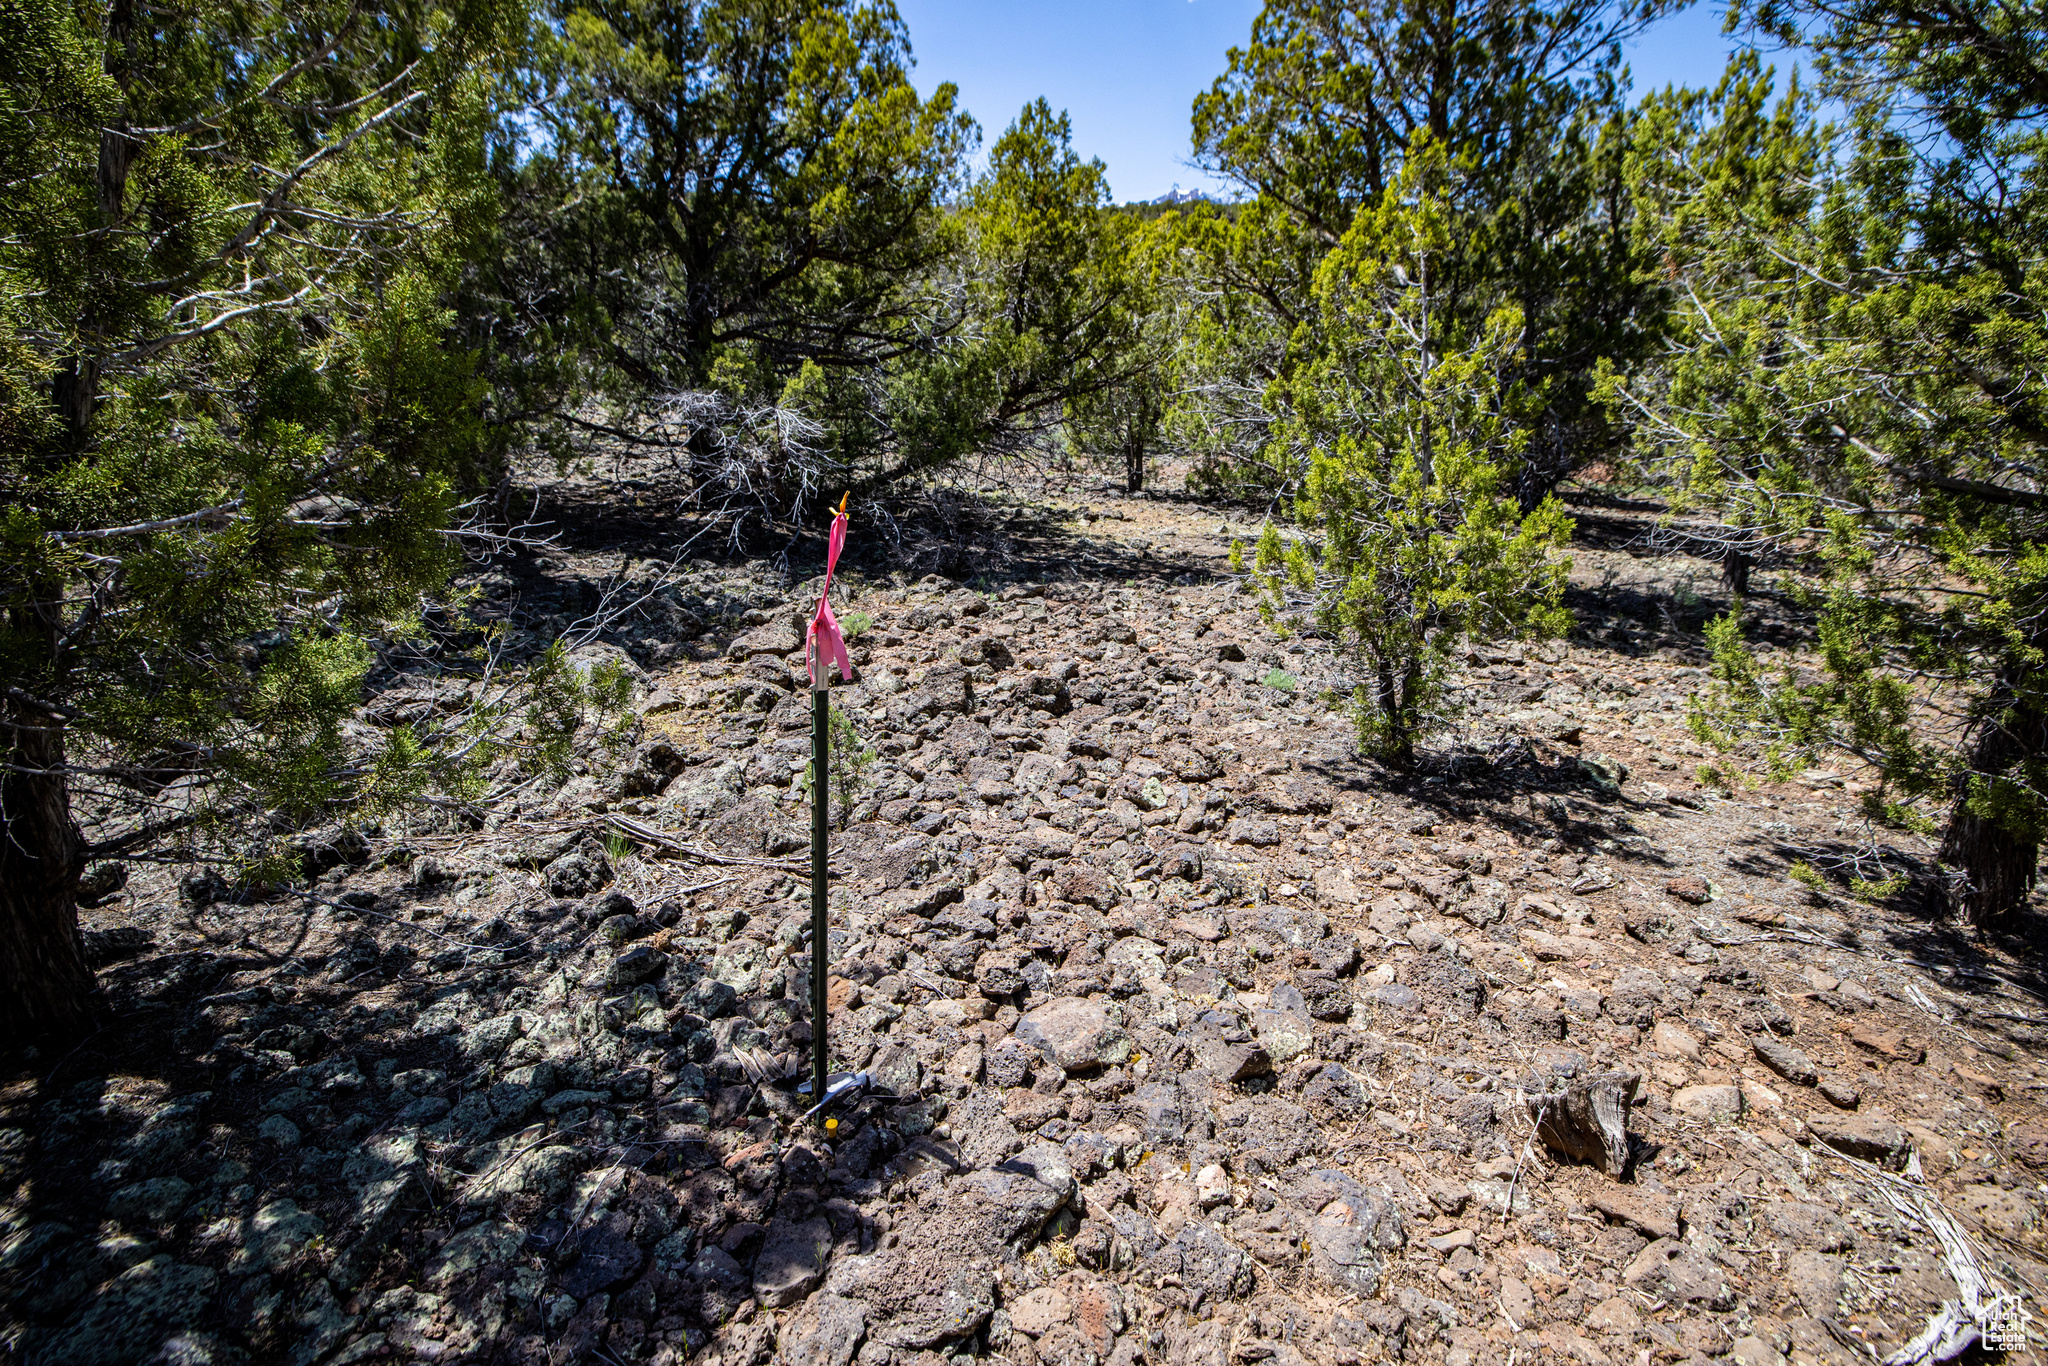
[(210, 1118), (1539, 791), (951, 529), (1607, 521), (1891, 897)]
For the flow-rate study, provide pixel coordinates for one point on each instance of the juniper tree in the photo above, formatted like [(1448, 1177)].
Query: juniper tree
[(743, 214), (732, 197), (1414, 543), (1860, 347), (1123, 418), (231, 436), (1314, 119)]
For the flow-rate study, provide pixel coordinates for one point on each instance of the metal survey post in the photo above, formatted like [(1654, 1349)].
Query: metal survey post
[(825, 649), (821, 754)]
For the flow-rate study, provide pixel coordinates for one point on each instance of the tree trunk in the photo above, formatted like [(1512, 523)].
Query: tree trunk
[(46, 989), (1134, 467), (1735, 569), (1991, 858), (76, 387), (1397, 748)]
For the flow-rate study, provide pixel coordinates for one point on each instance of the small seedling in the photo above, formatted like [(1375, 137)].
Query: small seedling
[(1874, 889), (855, 624), (852, 757), (1280, 680)]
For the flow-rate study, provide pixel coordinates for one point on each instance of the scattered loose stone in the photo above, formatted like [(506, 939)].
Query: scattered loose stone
[(1178, 1020), (1840, 1091), (1787, 1062), (1871, 1136)]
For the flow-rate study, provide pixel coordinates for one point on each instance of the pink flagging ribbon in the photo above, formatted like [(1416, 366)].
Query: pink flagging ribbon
[(827, 644)]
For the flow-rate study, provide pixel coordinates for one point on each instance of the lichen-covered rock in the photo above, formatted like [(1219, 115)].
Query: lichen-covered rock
[(139, 1309), (470, 1250), (1210, 1267), (1670, 1271), (827, 1331), (1285, 1030), (487, 1039), (538, 1175), (274, 1236), (1155, 1110), (580, 872), (156, 1200), (917, 1295), (1000, 1209), (1075, 1033), (1348, 1234)]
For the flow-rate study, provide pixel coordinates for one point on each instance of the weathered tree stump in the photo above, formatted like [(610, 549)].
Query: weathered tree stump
[(1587, 1121)]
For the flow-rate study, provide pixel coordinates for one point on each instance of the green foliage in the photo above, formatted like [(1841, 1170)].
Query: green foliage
[(855, 624), (1854, 700), (1054, 294), (851, 758), (1857, 357), (234, 432), (1410, 450), (1279, 680), (740, 228), (1317, 116), (1121, 417), (716, 194)]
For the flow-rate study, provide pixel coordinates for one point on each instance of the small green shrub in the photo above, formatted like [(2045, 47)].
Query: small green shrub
[(851, 758), (1280, 680)]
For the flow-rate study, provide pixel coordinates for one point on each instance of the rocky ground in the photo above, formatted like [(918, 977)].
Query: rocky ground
[(1201, 1040)]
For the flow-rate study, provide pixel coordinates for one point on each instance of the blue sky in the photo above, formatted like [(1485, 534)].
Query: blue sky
[(1128, 70)]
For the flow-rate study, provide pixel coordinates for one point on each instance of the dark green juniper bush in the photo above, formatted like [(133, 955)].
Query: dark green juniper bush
[(740, 227), (1415, 543), (233, 439), (1315, 119), (1859, 328)]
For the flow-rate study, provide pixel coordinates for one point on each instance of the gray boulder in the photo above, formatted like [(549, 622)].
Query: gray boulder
[(791, 1263), (827, 1331), (275, 1235), (388, 1178), (126, 1322), (1284, 1028), (1001, 1209), (578, 873), (1076, 1033), (1209, 1267), (1670, 1271), (1347, 1236), (918, 1293)]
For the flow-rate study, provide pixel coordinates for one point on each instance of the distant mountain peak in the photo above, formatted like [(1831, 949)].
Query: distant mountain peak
[(1177, 195)]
